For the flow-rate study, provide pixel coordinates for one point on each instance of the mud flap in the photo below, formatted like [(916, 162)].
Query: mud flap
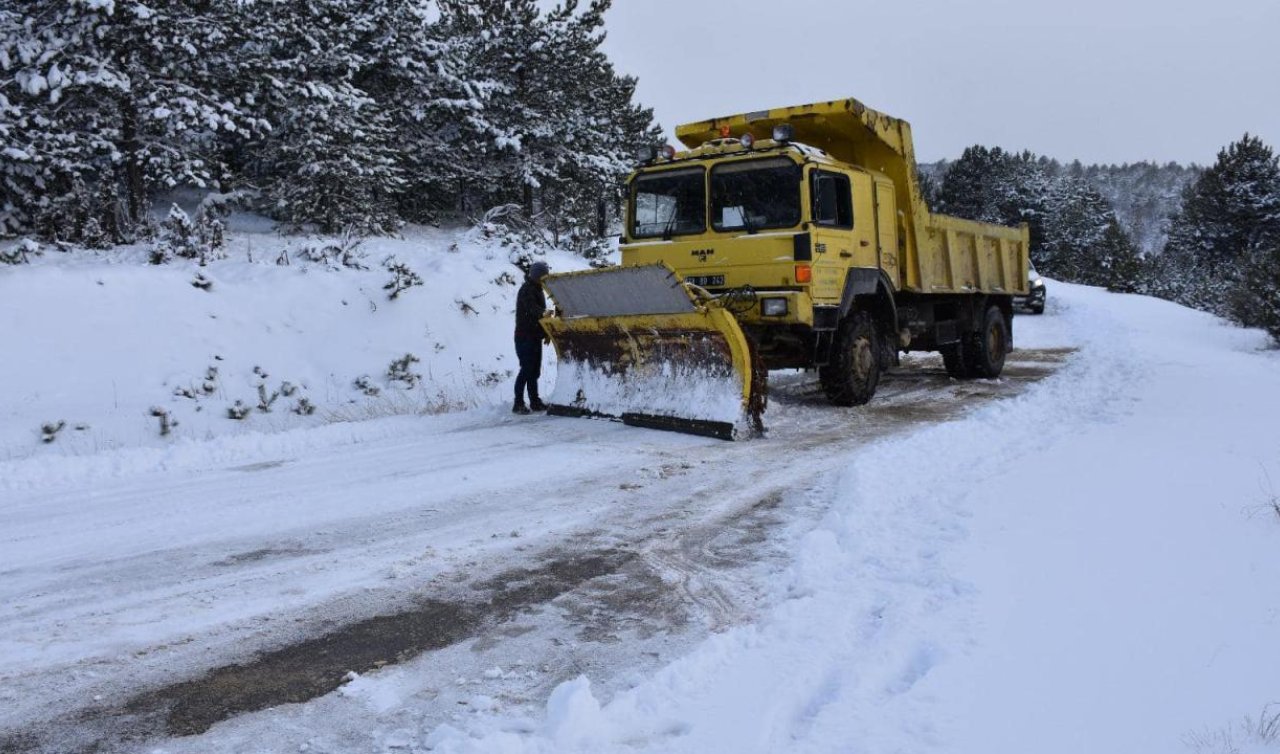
[(634, 344)]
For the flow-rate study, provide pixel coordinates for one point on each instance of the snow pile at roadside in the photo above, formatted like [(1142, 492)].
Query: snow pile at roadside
[(1088, 567), (103, 350)]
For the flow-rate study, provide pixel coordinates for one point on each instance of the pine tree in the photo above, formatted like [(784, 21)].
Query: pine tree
[(970, 186), (1121, 265), (1255, 299), (1227, 215), (416, 73), (493, 150), (598, 127), (995, 186), (118, 93), (1075, 247), (557, 135), (330, 158)]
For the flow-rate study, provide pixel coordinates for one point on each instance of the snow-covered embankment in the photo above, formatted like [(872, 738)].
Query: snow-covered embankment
[(97, 344)]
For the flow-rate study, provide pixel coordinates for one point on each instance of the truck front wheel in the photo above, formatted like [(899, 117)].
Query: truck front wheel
[(850, 378)]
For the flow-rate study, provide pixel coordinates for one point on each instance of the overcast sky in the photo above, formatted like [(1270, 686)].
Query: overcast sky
[(1098, 80)]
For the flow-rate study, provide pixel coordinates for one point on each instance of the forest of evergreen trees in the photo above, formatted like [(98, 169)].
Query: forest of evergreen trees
[(330, 114), (356, 116), (1208, 239)]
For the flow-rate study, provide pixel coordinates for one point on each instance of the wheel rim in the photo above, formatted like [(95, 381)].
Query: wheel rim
[(995, 343), (863, 358)]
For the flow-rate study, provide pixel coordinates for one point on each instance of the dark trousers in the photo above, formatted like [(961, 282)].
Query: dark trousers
[(529, 351)]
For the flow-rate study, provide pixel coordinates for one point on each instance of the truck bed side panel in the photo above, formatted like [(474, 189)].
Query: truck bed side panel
[(961, 256)]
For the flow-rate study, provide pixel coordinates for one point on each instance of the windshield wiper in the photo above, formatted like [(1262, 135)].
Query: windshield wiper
[(747, 225), (669, 229)]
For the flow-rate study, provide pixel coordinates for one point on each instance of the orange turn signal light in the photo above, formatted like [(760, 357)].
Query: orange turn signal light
[(725, 132), (804, 273)]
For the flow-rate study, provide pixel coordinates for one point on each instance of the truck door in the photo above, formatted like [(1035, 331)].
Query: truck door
[(887, 229), (833, 220)]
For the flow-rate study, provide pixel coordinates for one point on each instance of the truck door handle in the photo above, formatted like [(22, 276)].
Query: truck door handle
[(865, 243), (846, 255)]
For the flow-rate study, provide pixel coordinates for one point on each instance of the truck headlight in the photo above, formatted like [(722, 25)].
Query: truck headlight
[(774, 307), (1037, 283)]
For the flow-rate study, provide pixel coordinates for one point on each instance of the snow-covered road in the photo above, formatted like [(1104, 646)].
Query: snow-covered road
[(143, 580), (939, 570)]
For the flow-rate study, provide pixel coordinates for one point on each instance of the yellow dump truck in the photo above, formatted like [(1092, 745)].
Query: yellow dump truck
[(794, 238)]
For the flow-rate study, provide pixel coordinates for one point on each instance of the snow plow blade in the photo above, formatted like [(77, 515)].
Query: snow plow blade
[(636, 344)]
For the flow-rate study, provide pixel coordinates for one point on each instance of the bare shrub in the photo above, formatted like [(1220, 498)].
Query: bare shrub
[(22, 253), (401, 370), (167, 422), (364, 383), (1250, 734), (210, 384), (342, 252), (49, 431), (266, 401)]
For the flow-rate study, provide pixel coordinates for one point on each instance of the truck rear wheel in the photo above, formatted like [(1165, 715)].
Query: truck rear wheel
[(955, 358), (988, 348), (850, 378), (979, 354)]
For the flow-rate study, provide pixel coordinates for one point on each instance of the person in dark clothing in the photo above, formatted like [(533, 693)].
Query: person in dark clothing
[(531, 304)]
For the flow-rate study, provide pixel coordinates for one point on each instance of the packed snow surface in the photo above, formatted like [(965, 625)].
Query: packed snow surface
[(1091, 564)]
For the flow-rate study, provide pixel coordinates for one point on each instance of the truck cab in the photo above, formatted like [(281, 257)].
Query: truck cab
[(774, 224)]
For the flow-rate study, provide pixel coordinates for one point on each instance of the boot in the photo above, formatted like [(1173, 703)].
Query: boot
[(536, 404), (519, 407)]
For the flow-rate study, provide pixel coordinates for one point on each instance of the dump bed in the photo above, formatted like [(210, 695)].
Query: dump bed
[(937, 254)]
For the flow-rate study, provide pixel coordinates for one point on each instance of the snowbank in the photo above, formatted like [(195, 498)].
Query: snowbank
[(97, 345)]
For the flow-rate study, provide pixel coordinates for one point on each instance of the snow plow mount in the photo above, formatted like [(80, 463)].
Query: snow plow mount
[(637, 345)]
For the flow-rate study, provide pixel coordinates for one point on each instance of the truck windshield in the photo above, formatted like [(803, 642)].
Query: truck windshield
[(755, 195), (669, 203)]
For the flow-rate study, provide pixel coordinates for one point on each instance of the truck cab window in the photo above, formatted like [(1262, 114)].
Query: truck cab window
[(669, 203), (755, 195), (832, 200)]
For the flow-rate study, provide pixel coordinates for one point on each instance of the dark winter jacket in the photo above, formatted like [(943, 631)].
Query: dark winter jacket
[(531, 303)]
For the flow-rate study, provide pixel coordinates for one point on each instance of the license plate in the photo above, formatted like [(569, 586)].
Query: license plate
[(706, 281)]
